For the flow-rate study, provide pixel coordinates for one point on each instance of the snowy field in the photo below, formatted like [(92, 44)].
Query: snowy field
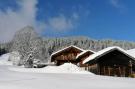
[(21, 78), (65, 68)]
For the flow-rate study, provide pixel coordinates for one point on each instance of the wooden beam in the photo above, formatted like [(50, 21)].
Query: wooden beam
[(104, 70), (130, 67), (109, 71), (124, 69), (120, 71), (98, 69)]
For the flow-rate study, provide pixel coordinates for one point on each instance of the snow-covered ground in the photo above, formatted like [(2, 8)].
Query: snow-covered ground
[(10, 78), (4, 59), (23, 80), (65, 68)]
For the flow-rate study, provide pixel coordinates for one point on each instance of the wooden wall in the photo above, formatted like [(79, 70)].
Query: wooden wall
[(120, 71), (66, 56), (112, 64)]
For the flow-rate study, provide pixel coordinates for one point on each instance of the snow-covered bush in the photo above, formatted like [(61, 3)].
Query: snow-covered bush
[(4, 59), (36, 61), (15, 58), (29, 61)]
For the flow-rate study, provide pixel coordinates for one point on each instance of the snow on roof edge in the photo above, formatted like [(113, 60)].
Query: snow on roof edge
[(131, 52), (84, 52), (66, 48), (93, 56)]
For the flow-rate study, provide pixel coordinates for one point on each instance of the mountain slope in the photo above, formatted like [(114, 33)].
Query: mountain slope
[(27, 41)]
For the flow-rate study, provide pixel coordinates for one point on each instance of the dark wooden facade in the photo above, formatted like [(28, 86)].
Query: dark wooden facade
[(66, 55), (113, 63)]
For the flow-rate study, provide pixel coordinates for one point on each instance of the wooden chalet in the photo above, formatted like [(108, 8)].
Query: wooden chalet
[(65, 55), (82, 56), (111, 61)]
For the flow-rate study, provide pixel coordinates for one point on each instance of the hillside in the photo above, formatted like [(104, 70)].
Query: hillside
[(27, 41)]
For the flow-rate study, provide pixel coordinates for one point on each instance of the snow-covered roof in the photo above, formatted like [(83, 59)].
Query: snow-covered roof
[(85, 51), (105, 51), (66, 48), (131, 52)]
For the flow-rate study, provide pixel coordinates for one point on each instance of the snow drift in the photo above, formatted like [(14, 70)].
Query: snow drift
[(24, 80), (15, 58), (65, 68), (12, 58), (4, 59)]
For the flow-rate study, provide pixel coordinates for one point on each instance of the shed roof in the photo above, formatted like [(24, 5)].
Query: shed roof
[(105, 51)]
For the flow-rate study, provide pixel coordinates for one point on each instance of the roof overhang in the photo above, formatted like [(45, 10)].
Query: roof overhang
[(105, 51), (59, 51), (85, 51)]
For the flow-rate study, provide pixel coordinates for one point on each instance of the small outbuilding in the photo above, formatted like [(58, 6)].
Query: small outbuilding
[(111, 61), (82, 56), (66, 55)]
